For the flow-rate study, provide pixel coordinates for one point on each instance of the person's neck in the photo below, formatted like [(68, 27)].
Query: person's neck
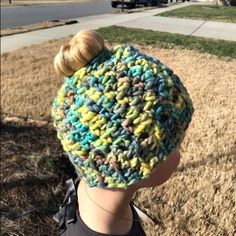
[(105, 211)]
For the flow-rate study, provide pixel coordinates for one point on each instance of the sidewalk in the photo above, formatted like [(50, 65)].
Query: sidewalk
[(143, 20)]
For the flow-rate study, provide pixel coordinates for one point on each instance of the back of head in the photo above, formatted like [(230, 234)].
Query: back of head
[(120, 113), (78, 52)]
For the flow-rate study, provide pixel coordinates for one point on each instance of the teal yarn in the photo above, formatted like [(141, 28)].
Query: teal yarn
[(121, 115)]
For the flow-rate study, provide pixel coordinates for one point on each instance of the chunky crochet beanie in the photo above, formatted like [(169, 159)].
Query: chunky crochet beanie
[(120, 115)]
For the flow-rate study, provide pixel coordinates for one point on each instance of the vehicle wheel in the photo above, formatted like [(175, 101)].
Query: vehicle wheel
[(232, 2), (154, 2), (133, 4), (114, 4)]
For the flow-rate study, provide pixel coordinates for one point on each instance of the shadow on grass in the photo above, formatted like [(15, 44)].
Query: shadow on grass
[(34, 170)]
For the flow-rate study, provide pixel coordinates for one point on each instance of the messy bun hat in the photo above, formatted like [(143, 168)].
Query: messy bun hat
[(119, 112)]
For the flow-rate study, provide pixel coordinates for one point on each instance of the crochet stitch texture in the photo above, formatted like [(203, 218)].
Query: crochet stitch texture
[(119, 116)]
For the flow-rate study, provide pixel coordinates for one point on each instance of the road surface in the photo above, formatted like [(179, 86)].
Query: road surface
[(25, 15)]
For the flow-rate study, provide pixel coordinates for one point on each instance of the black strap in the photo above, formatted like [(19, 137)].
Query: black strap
[(67, 213)]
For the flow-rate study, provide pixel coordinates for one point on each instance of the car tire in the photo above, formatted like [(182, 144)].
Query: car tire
[(114, 4), (154, 2), (133, 4)]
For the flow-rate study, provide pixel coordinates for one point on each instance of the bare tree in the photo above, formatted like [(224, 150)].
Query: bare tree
[(122, 5)]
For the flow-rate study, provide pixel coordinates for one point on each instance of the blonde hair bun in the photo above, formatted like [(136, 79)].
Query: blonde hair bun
[(78, 52)]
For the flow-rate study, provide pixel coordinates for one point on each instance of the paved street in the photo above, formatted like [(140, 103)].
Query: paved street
[(24, 15)]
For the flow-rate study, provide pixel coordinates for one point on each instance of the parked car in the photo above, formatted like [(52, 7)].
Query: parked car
[(134, 3), (232, 2)]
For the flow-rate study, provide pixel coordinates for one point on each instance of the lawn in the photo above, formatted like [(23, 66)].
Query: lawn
[(204, 12), (168, 40), (198, 200)]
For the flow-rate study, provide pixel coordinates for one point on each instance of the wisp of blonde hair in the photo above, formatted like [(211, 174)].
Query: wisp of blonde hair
[(78, 52)]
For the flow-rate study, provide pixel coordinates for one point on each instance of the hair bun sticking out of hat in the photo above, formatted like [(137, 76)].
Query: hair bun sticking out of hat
[(80, 50)]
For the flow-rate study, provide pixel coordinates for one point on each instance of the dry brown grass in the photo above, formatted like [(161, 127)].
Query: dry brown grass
[(28, 74), (33, 176), (199, 199), (28, 28)]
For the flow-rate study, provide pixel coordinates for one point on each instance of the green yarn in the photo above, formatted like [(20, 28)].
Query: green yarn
[(119, 116)]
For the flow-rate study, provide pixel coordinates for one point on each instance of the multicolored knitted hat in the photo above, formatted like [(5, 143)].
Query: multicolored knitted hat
[(121, 115)]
